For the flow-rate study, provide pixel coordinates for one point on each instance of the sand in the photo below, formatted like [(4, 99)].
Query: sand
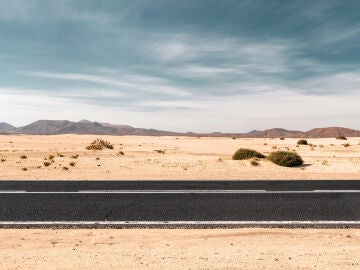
[(180, 249), (185, 158)]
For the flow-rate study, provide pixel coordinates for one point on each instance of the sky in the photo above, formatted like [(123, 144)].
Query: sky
[(192, 65)]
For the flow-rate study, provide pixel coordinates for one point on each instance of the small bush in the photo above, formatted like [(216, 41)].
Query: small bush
[(65, 168), (24, 169), (346, 144), (60, 155), (341, 138), (281, 139), (243, 153), (23, 157), (97, 158), (72, 163), (302, 142), (47, 164), (3, 160), (254, 163), (99, 144), (159, 151), (285, 159), (120, 153), (51, 157), (75, 156), (274, 147)]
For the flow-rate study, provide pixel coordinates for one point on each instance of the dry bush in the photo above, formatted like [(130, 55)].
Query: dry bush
[(75, 156), (341, 138), (346, 144), (47, 164), (23, 157), (99, 144), (3, 160), (160, 151), (285, 159), (120, 153), (302, 142), (72, 163), (244, 153), (254, 163), (65, 168), (24, 169)]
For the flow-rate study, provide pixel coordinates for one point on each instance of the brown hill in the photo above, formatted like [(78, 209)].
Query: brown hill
[(65, 127), (330, 132)]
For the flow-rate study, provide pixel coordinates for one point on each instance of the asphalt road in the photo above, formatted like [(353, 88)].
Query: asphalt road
[(180, 203)]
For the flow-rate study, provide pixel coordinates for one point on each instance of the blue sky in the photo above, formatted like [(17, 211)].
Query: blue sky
[(230, 66)]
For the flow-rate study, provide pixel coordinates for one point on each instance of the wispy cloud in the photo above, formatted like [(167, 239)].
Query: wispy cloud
[(124, 83)]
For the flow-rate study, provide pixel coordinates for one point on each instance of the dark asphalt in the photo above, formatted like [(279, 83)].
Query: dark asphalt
[(311, 206), (179, 185)]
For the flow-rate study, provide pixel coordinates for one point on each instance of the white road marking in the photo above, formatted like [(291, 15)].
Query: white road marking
[(319, 222), (236, 191)]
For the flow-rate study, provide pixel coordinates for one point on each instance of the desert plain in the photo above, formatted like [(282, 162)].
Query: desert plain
[(23, 157)]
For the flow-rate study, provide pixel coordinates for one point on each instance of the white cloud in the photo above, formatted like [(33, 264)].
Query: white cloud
[(124, 82)]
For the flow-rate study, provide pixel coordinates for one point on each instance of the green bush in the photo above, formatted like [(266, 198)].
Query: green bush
[(243, 153), (302, 142), (285, 159)]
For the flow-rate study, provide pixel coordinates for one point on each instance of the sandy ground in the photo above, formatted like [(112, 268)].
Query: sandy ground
[(180, 249), (184, 158)]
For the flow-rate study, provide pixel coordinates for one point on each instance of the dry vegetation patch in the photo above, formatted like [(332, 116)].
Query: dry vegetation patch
[(100, 144), (244, 153), (285, 158)]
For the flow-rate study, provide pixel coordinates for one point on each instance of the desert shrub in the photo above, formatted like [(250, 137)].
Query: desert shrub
[(346, 144), (285, 159), (281, 139), (23, 157), (254, 163), (341, 138), (51, 157), (75, 156), (160, 151), (24, 169), (274, 147), (120, 153), (72, 163), (47, 164), (99, 144), (302, 142), (3, 160), (60, 155), (244, 153), (65, 168)]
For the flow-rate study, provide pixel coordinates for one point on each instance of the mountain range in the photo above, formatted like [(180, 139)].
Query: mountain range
[(53, 127)]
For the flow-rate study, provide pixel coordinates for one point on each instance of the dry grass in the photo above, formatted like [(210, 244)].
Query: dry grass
[(100, 144)]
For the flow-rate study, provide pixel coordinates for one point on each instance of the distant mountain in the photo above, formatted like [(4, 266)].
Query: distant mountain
[(274, 133), (332, 132), (65, 127), (52, 127), (5, 127)]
